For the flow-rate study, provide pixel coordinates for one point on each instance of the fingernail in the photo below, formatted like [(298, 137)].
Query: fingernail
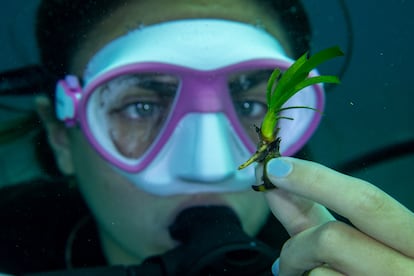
[(275, 267), (278, 168)]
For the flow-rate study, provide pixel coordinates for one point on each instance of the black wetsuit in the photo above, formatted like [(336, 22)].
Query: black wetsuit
[(46, 226)]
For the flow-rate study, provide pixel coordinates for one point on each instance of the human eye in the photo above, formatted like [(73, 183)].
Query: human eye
[(141, 106), (248, 91), (250, 108), (139, 98), (140, 110)]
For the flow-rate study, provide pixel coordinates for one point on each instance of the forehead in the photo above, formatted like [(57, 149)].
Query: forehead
[(135, 13)]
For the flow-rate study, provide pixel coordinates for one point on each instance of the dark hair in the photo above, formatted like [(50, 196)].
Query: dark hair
[(62, 25), (293, 16)]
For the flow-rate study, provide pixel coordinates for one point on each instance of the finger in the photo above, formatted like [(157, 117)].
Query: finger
[(323, 271), (341, 248), (294, 212), (370, 209)]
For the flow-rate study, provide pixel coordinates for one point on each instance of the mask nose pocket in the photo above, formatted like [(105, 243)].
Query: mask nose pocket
[(209, 153)]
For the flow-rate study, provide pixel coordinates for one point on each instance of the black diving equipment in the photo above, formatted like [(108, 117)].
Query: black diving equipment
[(212, 243)]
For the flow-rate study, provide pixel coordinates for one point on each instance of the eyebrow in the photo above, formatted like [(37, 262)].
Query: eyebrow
[(158, 83), (253, 78), (154, 82)]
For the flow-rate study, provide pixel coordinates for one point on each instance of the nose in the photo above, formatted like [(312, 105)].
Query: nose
[(209, 149)]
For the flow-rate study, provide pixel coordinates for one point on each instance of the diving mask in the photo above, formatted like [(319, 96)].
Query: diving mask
[(173, 106)]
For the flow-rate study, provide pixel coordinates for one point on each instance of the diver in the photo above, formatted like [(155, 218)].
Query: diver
[(148, 108)]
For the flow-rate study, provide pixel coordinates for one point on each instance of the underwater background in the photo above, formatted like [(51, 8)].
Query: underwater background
[(373, 108)]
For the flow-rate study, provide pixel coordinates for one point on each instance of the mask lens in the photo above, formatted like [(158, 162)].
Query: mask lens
[(248, 92), (127, 113)]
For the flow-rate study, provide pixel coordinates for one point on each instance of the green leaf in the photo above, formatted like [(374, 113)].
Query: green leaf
[(270, 84), (294, 79), (297, 106), (299, 72), (320, 57), (315, 80), (289, 74)]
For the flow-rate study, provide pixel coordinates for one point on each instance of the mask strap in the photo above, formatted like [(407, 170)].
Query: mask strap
[(68, 95)]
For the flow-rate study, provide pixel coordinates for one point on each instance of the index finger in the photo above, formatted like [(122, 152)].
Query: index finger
[(294, 212), (370, 209)]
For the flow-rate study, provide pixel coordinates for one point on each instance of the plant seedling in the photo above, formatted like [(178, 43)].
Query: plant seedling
[(281, 86)]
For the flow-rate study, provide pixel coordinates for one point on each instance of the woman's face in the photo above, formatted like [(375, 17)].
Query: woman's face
[(132, 223)]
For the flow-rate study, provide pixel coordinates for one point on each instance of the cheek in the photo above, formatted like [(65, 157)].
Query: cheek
[(136, 221), (121, 210)]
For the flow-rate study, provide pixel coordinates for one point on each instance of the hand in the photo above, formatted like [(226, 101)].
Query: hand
[(381, 243)]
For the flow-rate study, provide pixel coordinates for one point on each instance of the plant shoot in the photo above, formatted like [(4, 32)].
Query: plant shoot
[(281, 87)]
